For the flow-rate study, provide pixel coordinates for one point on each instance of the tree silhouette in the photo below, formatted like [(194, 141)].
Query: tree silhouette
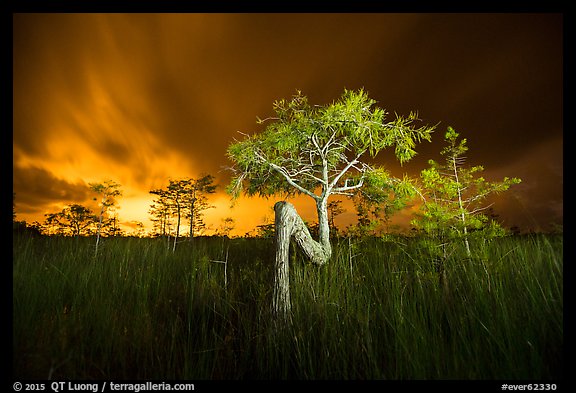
[(334, 210), (160, 211), (73, 219), (176, 192), (197, 195), (183, 198)]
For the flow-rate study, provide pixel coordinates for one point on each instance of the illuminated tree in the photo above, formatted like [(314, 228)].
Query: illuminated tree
[(108, 190), (375, 210), (455, 196), (318, 151)]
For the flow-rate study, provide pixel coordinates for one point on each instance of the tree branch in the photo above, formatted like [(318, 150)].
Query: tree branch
[(343, 171), (291, 181), (346, 187)]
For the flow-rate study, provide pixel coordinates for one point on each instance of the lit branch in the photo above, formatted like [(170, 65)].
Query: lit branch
[(289, 179), (343, 171), (479, 209), (346, 187)]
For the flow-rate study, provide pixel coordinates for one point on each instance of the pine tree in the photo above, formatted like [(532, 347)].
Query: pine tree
[(456, 196)]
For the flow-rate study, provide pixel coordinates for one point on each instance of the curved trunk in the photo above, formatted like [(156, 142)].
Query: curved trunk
[(287, 224)]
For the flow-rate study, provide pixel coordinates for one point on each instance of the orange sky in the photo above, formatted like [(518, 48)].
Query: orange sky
[(141, 98)]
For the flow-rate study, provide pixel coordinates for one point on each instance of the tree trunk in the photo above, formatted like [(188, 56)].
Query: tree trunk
[(324, 226), (287, 224), (98, 230), (192, 216), (461, 206), (177, 226)]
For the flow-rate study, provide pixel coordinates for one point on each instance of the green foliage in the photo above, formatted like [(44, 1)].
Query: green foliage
[(456, 195), (381, 197), (109, 190), (307, 147)]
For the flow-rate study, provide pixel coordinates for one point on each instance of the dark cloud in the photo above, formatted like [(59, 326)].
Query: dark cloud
[(144, 97), (538, 202), (37, 188)]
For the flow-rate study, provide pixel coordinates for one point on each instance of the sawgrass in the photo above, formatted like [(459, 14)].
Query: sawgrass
[(381, 309)]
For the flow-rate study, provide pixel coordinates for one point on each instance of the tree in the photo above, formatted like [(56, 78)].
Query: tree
[(13, 207), (334, 210), (183, 198), (375, 207), (19, 226), (51, 222), (74, 219), (265, 231), (160, 211), (138, 229), (176, 196), (110, 226), (226, 226), (318, 151), (108, 190), (198, 191), (455, 196)]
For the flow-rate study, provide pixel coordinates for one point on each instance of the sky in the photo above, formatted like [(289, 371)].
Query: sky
[(143, 98)]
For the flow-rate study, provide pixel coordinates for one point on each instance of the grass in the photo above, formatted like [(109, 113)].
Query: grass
[(381, 309)]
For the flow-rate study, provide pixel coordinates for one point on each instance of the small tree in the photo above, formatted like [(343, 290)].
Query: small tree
[(334, 210), (51, 222), (183, 198), (73, 219), (198, 191), (375, 206), (317, 151), (455, 196), (110, 226), (13, 207), (109, 190), (160, 211), (176, 194), (227, 225)]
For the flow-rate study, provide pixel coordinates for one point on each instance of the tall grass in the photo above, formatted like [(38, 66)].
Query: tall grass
[(381, 309)]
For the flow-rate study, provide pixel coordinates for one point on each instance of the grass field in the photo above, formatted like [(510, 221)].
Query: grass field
[(381, 309)]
